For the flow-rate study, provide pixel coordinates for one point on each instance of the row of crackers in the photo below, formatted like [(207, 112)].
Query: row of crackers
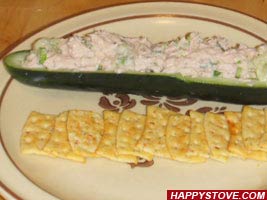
[(129, 136)]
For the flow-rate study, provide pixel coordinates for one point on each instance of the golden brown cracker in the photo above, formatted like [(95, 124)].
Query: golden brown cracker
[(263, 140), (236, 145), (58, 144), (198, 146), (253, 127), (178, 136), (130, 129), (85, 129), (218, 135), (36, 133), (107, 146), (153, 140)]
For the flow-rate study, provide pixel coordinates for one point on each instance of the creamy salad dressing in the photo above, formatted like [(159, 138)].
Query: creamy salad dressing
[(189, 55)]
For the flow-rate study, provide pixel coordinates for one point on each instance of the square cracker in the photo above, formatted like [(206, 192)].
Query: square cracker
[(36, 133), (253, 127), (85, 129), (263, 140), (107, 145), (153, 140), (130, 129), (58, 144), (178, 136), (218, 135), (198, 150), (236, 145)]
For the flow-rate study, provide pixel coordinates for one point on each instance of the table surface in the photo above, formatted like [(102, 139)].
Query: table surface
[(21, 17)]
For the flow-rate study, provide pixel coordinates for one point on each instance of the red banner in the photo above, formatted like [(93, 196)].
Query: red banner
[(216, 194)]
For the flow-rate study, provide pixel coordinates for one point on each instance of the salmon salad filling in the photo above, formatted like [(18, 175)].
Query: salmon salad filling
[(189, 55)]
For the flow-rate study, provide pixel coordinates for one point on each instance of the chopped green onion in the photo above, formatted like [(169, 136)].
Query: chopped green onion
[(123, 60), (238, 72), (260, 64), (216, 73), (100, 67), (42, 55), (238, 62)]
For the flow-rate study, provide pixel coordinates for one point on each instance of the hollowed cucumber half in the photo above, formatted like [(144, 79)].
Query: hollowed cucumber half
[(216, 88)]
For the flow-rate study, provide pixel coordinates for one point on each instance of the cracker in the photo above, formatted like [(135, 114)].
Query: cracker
[(36, 133), (178, 139), (153, 140), (58, 144), (218, 135), (85, 129), (198, 149), (130, 129), (263, 140), (107, 145), (253, 127), (178, 136), (257, 155), (236, 145)]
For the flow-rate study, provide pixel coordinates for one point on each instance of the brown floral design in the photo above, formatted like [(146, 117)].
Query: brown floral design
[(142, 164), (116, 102), (120, 102), (171, 103), (206, 109)]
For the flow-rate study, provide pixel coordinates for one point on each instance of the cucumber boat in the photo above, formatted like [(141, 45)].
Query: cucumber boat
[(245, 85)]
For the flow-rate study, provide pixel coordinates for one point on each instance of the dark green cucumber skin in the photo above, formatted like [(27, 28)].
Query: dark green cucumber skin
[(139, 84)]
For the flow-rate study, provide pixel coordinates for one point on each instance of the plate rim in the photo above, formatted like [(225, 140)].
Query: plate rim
[(13, 45)]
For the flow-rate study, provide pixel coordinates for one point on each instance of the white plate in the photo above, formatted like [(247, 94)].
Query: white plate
[(37, 177)]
